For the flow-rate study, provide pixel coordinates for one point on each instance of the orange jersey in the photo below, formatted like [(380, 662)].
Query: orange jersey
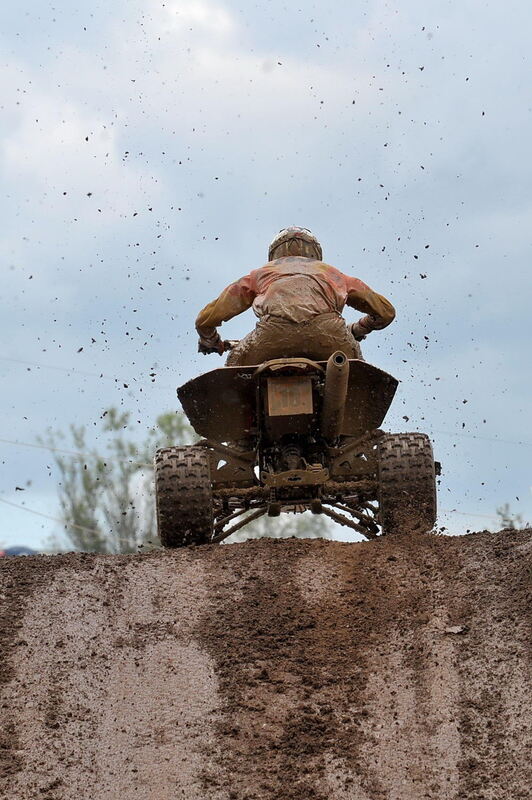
[(295, 289)]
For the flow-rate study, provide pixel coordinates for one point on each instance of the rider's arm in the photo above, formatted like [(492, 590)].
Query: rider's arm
[(233, 300), (379, 311)]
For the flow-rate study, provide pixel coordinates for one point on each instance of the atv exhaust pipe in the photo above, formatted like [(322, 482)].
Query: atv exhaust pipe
[(334, 395)]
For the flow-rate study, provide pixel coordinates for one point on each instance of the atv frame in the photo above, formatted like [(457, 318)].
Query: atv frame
[(293, 435)]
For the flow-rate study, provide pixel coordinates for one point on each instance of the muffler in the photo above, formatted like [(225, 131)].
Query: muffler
[(334, 395)]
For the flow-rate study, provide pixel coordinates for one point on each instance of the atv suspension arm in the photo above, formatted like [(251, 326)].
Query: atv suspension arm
[(348, 523), (221, 535)]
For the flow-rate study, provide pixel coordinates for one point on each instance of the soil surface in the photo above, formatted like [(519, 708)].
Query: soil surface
[(397, 669)]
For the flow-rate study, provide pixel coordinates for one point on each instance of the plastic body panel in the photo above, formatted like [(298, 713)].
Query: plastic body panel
[(221, 404)]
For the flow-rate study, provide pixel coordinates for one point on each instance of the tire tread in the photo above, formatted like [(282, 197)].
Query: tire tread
[(183, 494), (407, 482)]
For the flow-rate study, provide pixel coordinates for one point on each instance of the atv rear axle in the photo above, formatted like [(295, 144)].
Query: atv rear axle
[(362, 488)]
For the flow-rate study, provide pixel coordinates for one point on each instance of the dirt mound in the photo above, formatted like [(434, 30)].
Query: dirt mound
[(286, 669)]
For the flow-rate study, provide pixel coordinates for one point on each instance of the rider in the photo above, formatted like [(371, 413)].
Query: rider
[(298, 300)]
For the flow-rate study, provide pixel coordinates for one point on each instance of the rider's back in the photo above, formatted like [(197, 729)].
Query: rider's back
[(297, 289)]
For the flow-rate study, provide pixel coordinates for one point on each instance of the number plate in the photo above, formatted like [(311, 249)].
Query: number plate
[(289, 396)]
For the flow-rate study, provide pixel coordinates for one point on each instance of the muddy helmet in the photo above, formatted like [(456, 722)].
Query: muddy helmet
[(294, 241)]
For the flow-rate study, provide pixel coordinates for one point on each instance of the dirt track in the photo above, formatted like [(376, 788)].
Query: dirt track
[(294, 670)]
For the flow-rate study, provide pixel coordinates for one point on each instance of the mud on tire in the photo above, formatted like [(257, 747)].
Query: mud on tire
[(407, 483), (183, 496)]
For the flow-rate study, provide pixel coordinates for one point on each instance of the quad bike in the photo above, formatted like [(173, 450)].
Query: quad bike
[(291, 435)]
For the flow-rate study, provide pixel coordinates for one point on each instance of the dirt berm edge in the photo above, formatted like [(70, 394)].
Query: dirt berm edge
[(290, 669)]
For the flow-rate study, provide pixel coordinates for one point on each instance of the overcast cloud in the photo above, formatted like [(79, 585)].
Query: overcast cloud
[(150, 150)]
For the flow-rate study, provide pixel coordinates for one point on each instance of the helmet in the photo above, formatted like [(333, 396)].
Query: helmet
[(294, 241)]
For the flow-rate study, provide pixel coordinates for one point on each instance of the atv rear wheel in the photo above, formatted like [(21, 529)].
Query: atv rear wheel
[(183, 496), (407, 483)]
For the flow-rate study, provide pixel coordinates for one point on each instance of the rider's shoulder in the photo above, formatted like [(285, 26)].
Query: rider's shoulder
[(331, 271), (325, 265)]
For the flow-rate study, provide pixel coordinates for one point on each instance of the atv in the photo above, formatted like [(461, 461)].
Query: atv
[(292, 435)]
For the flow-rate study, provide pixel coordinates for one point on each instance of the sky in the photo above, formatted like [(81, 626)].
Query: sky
[(149, 152)]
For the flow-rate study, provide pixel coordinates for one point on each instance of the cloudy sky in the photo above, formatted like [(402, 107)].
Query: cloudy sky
[(150, 150)]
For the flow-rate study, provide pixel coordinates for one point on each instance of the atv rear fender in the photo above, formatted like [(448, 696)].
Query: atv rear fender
[(221, 405)]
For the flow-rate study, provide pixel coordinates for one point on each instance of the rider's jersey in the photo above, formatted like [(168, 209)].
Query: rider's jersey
[(296, 289)]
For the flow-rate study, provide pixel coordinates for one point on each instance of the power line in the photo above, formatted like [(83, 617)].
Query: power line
[(92, 530), (76, 371), (482, 438), (172, 388), (47, 516), (60, 369), (65, 523), (74, 452), (466, 513), (78, 454), (150, 466)]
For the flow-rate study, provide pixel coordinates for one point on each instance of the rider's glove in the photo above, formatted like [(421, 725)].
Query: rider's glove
[(213, 344), (359, 332)]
